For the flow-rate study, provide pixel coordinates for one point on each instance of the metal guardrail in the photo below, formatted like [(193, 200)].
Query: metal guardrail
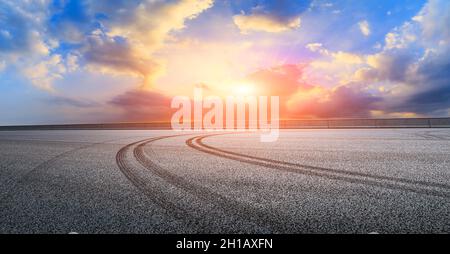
[(284, 124), (368, 123)]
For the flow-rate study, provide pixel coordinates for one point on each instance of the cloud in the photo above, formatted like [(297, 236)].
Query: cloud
[(339, 57), (401, 37), (282, 80), (332, 68), (72, 62), (422, 77), (135, 32), (343, 101), (431, 92), (142, 105), (364, 27), (21, 29), (434, 19), (44, 73), (112, 55), (24, 45), (271, 16), (58, 100), (409, 74), (150, 22), (315, 47), (393, 66), (266, 23), (299, 98), (116, 37)]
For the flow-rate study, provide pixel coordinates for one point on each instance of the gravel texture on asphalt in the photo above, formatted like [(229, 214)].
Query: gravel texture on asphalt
[(309, 181)]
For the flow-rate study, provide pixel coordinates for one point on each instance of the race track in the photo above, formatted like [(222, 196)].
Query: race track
[(309, 181)]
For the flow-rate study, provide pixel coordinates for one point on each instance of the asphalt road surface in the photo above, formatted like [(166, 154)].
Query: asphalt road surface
[(309, 181)]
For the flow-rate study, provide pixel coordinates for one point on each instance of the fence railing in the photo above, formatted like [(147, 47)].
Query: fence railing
[(284, 124), (367, 123)]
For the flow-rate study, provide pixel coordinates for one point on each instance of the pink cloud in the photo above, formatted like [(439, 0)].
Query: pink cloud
[(142, 105)]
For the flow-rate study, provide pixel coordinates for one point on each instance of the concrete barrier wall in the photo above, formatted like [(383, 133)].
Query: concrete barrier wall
[(284, 124)]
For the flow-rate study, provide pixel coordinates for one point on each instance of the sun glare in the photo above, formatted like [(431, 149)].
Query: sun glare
[(244, 89)]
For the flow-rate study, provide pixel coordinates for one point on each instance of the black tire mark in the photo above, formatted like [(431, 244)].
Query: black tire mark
[(337, 171), (334, 174), (227, 205), (141, 184), (432, 136)]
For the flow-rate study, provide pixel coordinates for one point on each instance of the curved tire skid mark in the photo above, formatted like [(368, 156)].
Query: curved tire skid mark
[(432, 135), (337, 171), (229, 206), (154, 194), (333, 174), (435, 136)]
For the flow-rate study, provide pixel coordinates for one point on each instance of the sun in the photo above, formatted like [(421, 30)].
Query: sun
[(244, 89)]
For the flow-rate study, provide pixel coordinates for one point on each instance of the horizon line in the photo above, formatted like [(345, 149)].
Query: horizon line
[(416, 122)]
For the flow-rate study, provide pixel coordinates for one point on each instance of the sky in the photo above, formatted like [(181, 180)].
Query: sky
[(91, 61)]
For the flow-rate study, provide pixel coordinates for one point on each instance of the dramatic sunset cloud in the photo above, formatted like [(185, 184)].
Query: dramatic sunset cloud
[(141, 105), (271, 16), (261, 22), (122, 60)]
